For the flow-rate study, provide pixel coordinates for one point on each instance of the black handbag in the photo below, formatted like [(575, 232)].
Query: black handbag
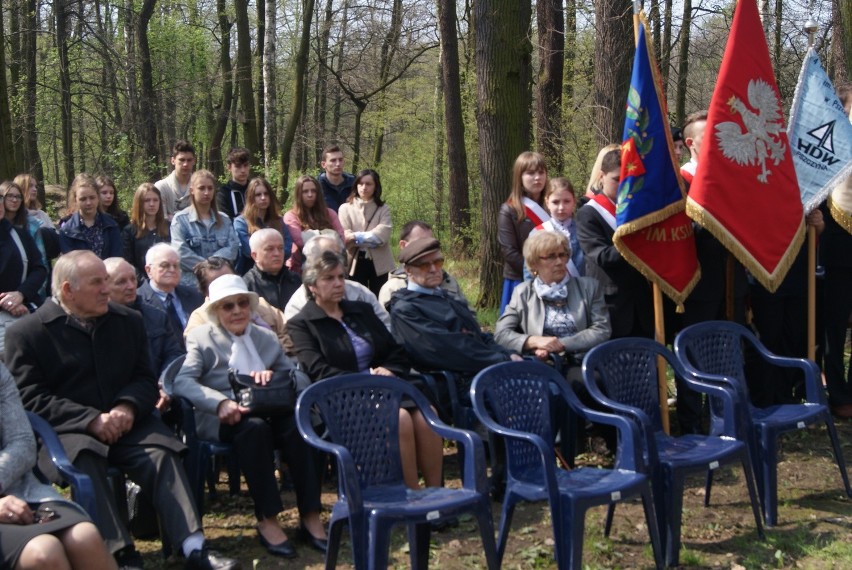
[(277, 397)]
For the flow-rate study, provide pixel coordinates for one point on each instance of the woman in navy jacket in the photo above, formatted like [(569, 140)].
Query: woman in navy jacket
[(88, 227)]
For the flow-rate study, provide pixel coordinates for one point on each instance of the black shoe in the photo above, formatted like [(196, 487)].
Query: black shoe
[(319, 544), (128, 558), (204, 559), (284, 549)]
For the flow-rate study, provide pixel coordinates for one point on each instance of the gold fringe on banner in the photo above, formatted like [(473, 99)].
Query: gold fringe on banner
[(771, 281)]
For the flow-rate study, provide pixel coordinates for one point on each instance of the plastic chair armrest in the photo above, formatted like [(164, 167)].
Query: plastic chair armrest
[(629, 433), (474, 450), (81, 484), (721, 390)]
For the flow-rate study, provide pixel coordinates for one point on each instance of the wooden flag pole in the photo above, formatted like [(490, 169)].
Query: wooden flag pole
[(810, 28), (811, 293), (660, 335), (659, 321)]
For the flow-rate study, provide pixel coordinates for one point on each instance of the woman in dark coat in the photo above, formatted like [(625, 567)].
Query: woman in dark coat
[(147, 227), (22, 273), (333, 336)]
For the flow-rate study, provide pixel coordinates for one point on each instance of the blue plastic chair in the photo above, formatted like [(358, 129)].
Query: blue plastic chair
[(82, 490), (621, 374), (361, 420), (513, 399), (199, 459), (713, 351)]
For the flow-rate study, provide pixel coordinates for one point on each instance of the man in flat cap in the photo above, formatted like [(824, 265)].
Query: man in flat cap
[(439, 331)]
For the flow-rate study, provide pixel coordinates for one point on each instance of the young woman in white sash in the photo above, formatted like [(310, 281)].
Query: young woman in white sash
[(523, 211)]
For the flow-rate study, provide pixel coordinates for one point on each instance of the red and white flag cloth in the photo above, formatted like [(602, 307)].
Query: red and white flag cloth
[(745, 190)]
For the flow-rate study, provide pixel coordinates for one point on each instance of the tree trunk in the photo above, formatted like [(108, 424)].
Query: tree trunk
[(270, 133), (390, 44), (130, 69), (321, 99), (459, 199), (8, 166), (438, 120), (32, 157), (683, 63), (224, 108), (67, 134), (243, 76), (654, 17), (842, 40), (776, 38), (360, 105), (13, 85), (570, 52), (261, 78), (298, 92), (503, 70), (666, 54), (551, 47), (148, 98), (614, 48), (338, 96)]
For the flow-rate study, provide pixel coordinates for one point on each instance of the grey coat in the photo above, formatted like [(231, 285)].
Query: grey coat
[(203, 378), (524, 317), (18, 448)]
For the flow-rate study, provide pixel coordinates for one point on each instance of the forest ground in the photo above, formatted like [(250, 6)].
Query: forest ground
[(814, 530)]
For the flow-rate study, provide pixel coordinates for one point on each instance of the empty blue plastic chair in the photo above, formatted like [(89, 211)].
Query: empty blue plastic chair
[(360, 413), (622, 375), (513, 399), (714, 352)]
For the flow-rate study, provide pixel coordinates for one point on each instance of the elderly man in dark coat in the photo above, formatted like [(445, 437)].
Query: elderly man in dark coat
[(438, 331), (269, 278), (78, 364)]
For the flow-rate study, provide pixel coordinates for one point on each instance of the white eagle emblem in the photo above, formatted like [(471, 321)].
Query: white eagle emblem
[(761, 140)]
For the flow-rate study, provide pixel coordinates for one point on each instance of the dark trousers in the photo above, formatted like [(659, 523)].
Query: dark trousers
[(160, 474), (365, 274), (781, 323), (836, 308), (255, 440)]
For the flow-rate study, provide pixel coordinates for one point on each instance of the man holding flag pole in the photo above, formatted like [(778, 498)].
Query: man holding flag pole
[(820, 135)]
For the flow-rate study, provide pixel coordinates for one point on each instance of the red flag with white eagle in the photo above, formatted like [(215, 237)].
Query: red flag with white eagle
[(745, 190)]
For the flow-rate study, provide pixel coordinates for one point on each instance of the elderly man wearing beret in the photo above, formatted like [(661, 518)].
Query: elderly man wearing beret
[(439, 331)]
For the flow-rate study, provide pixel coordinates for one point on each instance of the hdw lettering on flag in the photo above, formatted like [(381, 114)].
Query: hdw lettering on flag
[(820, 134)]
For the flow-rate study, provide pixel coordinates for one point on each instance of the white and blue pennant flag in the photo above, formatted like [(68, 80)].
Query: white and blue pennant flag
[(820, 134)]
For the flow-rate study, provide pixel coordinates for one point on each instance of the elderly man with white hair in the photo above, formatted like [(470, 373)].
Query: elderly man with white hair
[(77, 364), (354, 291), (163, 342), (269, 278), (163, 289)]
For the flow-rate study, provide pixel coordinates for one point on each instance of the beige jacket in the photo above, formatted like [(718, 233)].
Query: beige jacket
[(354, 217)]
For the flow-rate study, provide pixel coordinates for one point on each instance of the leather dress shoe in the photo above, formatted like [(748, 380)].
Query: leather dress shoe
[(205, 559), (283, 549), (319, 544)]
